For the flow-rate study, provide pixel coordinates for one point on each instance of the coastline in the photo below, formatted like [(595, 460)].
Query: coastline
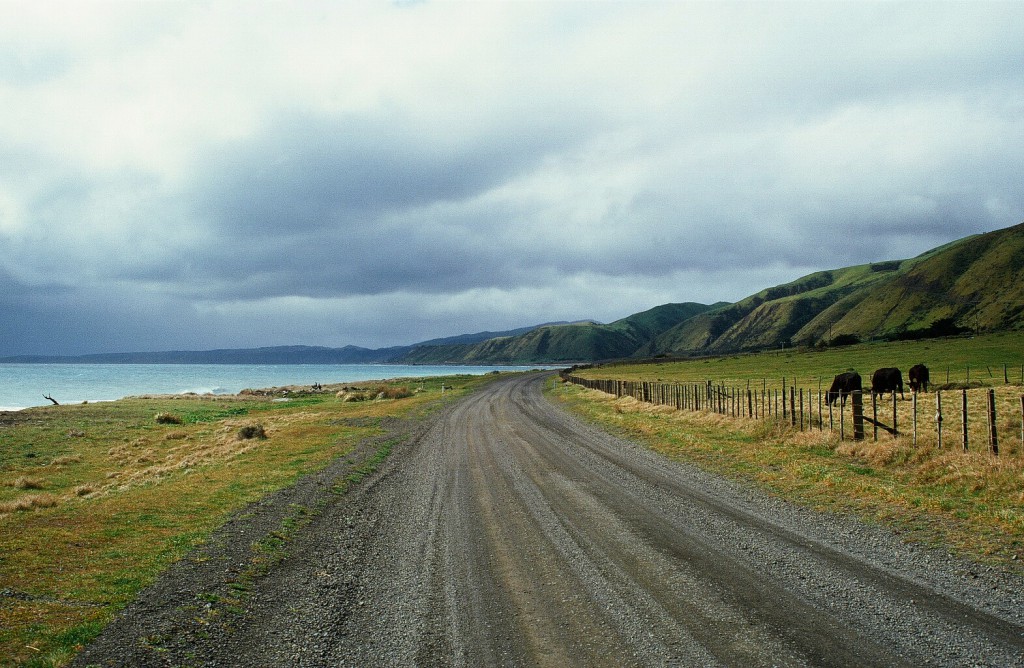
[(27, 385)]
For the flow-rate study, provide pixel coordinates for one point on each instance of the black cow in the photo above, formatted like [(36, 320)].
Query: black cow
[(918, 378), (887, 380), (842, 385)]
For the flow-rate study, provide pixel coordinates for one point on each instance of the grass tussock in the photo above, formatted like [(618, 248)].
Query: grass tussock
[(66, 460), (392, 392), (29, 502), (27, 482), (167, 418), (254, 430)]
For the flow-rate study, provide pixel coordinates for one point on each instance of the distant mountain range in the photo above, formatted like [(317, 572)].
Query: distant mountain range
[(975, 283)]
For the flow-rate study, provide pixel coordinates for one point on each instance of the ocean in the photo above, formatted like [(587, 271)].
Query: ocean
[(24, 385)]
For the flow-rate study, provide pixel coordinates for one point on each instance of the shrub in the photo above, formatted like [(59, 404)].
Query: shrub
[(167, 418), (254, 430)]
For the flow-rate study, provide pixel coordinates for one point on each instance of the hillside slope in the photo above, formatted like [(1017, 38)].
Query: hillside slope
[(976, 283), (564, 343)]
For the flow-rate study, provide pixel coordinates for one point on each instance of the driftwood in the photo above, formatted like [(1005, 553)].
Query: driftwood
[(55, 402)]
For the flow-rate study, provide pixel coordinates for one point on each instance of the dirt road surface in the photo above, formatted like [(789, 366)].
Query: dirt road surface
[(504, 532)]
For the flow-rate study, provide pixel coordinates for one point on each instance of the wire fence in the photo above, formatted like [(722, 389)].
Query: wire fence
[(967, 418)]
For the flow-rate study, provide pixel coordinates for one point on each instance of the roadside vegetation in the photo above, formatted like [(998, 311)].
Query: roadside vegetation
[(97, 499), (971, 502)]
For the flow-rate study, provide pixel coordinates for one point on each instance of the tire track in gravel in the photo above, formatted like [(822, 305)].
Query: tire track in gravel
[(505, 532)]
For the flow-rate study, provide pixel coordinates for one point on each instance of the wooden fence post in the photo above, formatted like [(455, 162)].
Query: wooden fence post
[(874, 417), (858, 417), (938, 415), (895, 430), (963, 415), (993, 440), (792, 405)]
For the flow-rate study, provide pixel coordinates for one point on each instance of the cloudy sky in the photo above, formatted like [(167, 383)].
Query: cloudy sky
[(195, 175)]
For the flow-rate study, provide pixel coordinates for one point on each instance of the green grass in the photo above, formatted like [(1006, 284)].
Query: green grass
[(117, 497), (950, 360)]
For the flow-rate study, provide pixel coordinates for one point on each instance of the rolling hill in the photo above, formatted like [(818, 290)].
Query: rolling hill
[(972, 284), (976, 283), (555, 344)]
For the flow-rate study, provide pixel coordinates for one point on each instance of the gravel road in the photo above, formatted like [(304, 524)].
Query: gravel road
[(502, 531)]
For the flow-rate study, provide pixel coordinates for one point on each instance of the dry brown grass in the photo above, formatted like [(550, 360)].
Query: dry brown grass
[(29, 502), (27, 482)]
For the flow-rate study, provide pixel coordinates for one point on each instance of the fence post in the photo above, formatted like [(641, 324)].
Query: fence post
[(858, 417), (963, 415), (895, 427), (801, 409), (938, 414), (992, 439), (792, 405), (874, 417)]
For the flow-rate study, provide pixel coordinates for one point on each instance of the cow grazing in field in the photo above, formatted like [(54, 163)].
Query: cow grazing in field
[(918, 378), (842, 385), (887, 380)]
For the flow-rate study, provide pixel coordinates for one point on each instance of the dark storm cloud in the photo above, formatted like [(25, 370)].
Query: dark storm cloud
[(303, 173), (191, 174)]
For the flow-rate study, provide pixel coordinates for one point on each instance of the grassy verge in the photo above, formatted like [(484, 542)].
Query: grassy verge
[(971, 502), (97, 499)]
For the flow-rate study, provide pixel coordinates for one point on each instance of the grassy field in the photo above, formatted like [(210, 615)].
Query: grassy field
[(970, 501), (97, 499), (978, 359)]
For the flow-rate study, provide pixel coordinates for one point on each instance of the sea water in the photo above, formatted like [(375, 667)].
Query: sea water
[(26, 385)]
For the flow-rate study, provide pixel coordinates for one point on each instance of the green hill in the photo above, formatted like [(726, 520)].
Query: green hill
[(556, 344), (973, 284), (976, 283)]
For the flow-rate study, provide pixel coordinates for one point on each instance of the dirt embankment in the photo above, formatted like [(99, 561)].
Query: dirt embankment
[(502, 531)]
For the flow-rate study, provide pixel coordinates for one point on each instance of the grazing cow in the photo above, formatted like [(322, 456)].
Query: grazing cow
[(842, 385), (918, 378), (887, 380)]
